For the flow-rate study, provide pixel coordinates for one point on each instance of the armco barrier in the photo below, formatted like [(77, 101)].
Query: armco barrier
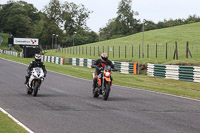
[(186, 73), (122, 67), (53, 59)]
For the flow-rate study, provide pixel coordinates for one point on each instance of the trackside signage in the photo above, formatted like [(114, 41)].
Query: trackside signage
[(26, 41)]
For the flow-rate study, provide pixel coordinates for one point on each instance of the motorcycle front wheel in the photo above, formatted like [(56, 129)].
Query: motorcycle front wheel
[(95, 92), (106, 91), (35, 88)]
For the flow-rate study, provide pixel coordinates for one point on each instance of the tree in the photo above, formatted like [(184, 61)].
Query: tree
[(53, 12), (125, 21), (74, 17), (149, 25), (18, 18)]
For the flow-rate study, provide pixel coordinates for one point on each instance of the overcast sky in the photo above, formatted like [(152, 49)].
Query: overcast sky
[(155, 10)]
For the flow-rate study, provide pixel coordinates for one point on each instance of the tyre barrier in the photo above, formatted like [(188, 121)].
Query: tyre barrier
[(122, 67), (186, 73), (53, 59), (9, 52)]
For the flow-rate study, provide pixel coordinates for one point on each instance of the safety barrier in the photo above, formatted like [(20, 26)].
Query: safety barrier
[(53, 59), (186, 73), (122, 67), (9, 52)]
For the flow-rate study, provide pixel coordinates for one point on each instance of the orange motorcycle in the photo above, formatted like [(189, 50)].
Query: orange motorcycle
[(104, 83)]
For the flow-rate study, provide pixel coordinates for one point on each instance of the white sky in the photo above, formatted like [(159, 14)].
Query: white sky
[(155, 10)]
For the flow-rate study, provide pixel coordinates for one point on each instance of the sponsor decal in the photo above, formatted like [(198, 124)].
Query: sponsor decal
[(26, 41)]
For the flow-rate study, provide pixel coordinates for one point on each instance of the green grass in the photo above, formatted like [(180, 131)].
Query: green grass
[(181, 34), (180, 88), (4, 44), (7, 125)]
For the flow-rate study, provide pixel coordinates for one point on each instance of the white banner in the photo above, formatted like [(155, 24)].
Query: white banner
[(26, 41)]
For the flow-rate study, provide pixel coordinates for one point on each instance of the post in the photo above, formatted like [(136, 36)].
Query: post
[(176, 51), (142, 41), (103, 49), (188, 50), (108, 50), (113, 52), (94, 50), (90, 50), (119, 51), (52, 40), (79, 50), (67, 50), (132, 51), (147, 50), (86, 50), (125, 51), (98, 51), (139, 51), (156, 50), (166, 52), (76, 49)]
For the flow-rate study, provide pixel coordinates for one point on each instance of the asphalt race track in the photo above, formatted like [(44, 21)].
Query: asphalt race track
[(65, 105)]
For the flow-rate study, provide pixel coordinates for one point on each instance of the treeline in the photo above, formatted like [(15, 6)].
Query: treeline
[(68, 21), (125, 23)]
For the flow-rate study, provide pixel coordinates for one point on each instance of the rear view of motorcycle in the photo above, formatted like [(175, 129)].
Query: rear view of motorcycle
[(35, 80), (104, 83)]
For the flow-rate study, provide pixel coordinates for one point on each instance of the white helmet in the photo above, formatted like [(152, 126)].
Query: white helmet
[(37, 58)]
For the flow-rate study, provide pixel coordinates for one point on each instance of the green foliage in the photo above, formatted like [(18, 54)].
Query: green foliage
[(17, 18), (23, 20), (4, 44), (53, 11), (17, 48), (124, 24)]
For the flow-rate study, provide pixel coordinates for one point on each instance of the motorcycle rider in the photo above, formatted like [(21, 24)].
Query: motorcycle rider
[(36, 63), (99, 64)]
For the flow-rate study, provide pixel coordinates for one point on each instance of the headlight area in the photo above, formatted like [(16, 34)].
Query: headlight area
[(107, 74)]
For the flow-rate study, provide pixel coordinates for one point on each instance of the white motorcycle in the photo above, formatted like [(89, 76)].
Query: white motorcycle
[(35, 80)]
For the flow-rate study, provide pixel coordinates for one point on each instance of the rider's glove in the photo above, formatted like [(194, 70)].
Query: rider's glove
[(100, 68)]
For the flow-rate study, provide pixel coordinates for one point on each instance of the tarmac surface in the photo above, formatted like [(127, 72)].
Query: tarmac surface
[(65, 105)]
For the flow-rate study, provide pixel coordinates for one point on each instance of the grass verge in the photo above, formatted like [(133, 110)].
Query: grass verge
[(134, 47), (180, 88), (8, 126)]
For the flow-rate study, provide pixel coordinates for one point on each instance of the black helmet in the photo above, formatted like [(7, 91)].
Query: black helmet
[(37, 58), (104, 56)]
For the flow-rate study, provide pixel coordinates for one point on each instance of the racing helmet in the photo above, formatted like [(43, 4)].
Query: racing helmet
[(104, 56), (37, 58)]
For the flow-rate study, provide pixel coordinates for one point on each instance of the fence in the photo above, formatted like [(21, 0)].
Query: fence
[(164, 51), (122, 67), (53, 59), (186, 73)]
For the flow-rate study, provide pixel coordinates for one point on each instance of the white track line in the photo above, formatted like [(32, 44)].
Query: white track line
[(15, 120)]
